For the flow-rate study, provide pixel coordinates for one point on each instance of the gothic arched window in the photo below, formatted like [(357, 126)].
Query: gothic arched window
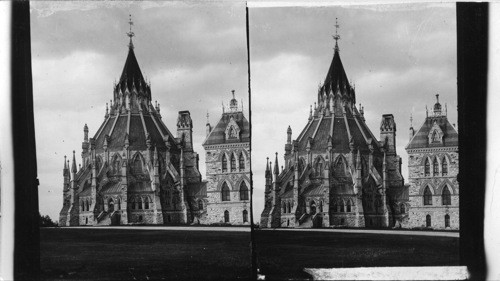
[(428, 220), (245, 216), (83, 206), (334, 206), (318, 168), (289, 207), (146, 203), (427, 196), (137, 165), (447, 220), (139, 201), (87, 205), (435, 167), (284, 207), (243, 191), (233, 163), (116, 165), (226, 216), (132, 203), (427, 168), (444, 167), (348, 208), (224, 163), (446, 196), (225, 192), (242, 162), (341, 206)]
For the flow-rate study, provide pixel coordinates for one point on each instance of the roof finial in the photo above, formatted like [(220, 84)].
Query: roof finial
[(336, 36), (130, 33), (437, 98), (232, 91), (207, 118), (411, 119)]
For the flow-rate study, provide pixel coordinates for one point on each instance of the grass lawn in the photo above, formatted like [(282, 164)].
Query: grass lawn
[(130, 254), (284, 254)]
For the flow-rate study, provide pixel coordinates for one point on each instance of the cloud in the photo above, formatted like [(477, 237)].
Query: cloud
[(193, 54), (398, 56)]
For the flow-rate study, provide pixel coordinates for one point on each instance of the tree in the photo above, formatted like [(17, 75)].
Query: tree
[(46, 221)]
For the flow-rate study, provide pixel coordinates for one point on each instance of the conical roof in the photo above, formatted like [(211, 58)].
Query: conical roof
[(336, 76), (131, 71)]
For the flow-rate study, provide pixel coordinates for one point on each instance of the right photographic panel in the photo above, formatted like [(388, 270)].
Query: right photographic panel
[(354, 137)]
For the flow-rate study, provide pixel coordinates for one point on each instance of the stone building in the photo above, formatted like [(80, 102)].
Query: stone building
[(336, 172), (227, 148), (433, 169), (134, 170)]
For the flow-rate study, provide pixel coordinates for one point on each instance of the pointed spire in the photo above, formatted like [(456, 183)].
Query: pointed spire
[(73, 165), (276, 166), (336, 36), (411, 120), (268, 169), (130, 34), (208, 121), (65, 167), (310, 112)]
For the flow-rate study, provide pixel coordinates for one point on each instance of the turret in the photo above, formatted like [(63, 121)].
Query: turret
[(185, 130), (388, 133), (233, 104), (437, 107), (85, 133), (288, 145)]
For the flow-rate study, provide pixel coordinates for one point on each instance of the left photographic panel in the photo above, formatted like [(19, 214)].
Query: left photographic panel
[(142, 139)]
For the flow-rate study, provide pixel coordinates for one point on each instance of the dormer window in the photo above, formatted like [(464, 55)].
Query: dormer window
[(232, 130), (436, 134)]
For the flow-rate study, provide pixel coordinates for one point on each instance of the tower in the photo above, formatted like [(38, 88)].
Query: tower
[(433, 168), (227, 149), (134, 171), (336, 172)]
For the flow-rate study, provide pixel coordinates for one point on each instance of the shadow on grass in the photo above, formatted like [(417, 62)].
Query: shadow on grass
[(123, 254), (285, 254)]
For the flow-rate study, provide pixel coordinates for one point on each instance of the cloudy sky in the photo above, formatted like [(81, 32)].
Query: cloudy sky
[(192, 54), (398, 56)]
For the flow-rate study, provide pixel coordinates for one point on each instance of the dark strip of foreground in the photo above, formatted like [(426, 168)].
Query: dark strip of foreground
[(284, 254), (125, 254)]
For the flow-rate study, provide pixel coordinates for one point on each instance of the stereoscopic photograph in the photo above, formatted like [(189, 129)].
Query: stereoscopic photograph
[(188, 140), (143, 139), (354, 115)]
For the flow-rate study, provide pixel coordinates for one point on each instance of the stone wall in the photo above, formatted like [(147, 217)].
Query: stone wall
[(419, 181), (215, 179)]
